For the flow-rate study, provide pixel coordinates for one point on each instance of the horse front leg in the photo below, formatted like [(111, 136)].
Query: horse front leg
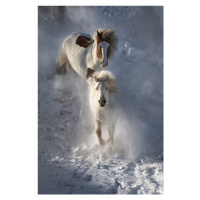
[(111, 130), (98, 132)]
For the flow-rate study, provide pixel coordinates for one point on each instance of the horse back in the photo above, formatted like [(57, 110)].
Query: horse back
[(76, 53)]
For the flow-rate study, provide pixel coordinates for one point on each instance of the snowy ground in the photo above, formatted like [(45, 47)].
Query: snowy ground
[(69, 159)]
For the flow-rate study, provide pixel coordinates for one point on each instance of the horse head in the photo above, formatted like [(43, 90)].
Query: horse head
[(102, 49), (101, 87), (102, 82)]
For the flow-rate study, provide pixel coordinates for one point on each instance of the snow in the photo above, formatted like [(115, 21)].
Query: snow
[(70, 161)]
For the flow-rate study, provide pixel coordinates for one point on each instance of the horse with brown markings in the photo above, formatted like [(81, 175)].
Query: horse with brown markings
[(80, 51)]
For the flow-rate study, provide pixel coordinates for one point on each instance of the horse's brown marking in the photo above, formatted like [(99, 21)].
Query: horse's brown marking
[(99, 51), (89, 73), (83, 41)]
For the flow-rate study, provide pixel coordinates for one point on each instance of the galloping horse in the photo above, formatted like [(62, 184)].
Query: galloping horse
[(103, 101), (80, 51)]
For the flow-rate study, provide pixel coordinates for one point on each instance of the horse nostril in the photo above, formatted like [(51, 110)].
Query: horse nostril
[(102, 102)]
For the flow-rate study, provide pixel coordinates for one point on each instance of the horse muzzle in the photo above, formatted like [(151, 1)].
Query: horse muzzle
[(102, 102), (104, 64)]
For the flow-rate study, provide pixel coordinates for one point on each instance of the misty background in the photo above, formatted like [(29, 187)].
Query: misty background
[(137, 66)]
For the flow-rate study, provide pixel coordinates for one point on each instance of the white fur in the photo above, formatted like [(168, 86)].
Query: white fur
[(104, 46), (106, 115)]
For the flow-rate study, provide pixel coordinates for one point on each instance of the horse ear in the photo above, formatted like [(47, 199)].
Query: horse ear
[(96, 79), (98, 34), (89, 73)]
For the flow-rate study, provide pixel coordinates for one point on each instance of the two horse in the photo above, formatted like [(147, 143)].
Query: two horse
[(87, 56)]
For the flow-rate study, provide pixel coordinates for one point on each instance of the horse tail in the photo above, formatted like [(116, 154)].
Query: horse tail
[(61, 62)]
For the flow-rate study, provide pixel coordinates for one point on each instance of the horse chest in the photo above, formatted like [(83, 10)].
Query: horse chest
[(103, 114)]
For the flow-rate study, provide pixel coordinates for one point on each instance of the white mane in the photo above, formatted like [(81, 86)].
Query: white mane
[(105, 75)]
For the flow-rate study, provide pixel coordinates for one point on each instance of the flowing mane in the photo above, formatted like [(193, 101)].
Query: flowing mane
[(109, 36), (105, 75)]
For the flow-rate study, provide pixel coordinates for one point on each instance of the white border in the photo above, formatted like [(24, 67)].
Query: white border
[(19, 99)]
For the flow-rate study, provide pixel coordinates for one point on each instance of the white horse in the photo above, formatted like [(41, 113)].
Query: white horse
[(103, 88), (80, 51)]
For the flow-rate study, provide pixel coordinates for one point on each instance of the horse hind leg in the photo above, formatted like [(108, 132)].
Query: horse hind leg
[(61, 62)]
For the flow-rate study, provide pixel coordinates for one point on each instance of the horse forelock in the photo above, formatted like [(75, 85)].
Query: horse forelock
[(109, 36), (107, 76)]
